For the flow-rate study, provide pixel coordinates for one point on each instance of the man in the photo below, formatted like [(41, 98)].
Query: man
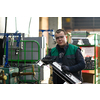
[(68, 56)]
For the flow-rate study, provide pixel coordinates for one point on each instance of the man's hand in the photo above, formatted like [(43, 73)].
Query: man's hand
[(47, 59), (65, 68)]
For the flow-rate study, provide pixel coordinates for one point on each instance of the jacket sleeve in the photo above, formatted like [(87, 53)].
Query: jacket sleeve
[(80, 62)]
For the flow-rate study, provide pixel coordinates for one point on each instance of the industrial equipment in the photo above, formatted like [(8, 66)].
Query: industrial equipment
[(80, 38), (6, 70), (7, 40), (19, 54), (89, 63), (12, 73), (67, 77), (3, 77), (6, 77), (51, 33), (21, 73), (24, 60), (48, 32)]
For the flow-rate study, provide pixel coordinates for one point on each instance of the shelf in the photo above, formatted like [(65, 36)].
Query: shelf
[(86, 45), (90, 50), (88, 71)]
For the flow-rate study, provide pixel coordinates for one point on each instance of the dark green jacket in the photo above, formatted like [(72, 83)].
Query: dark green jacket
[(72, 58)]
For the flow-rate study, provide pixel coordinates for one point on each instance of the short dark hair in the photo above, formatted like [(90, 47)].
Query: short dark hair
[(59, 30)]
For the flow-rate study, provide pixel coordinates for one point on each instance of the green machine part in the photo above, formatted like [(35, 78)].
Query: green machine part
[(8, 72)]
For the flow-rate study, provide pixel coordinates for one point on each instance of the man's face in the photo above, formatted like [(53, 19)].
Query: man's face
[(61, 39)]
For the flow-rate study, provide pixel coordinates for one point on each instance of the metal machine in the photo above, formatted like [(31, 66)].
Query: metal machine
[(9, 73), (6, 70)]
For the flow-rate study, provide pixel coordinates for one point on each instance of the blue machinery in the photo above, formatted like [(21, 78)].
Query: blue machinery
[(7, 40), (49, 32), (7, 71)]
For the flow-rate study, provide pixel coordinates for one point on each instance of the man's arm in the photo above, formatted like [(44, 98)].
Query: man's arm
[(80, 62)]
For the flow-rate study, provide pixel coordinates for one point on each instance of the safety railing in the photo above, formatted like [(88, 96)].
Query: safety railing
[(30, 54)]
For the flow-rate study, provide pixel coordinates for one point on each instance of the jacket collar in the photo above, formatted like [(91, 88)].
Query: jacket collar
[(65, 47)]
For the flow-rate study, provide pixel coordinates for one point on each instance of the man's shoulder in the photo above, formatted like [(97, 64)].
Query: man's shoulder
[(53, 49), (73, 47)]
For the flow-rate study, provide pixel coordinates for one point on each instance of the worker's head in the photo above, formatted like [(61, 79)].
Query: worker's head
[(60, 36)]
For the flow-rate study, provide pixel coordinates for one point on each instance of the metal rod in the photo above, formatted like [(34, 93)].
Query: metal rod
[(19, 74)]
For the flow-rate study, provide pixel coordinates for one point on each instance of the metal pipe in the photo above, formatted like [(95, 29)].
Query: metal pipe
[(27, 73), (19, 74)]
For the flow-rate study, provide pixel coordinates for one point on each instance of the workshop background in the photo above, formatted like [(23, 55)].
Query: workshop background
[(26, 40)]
